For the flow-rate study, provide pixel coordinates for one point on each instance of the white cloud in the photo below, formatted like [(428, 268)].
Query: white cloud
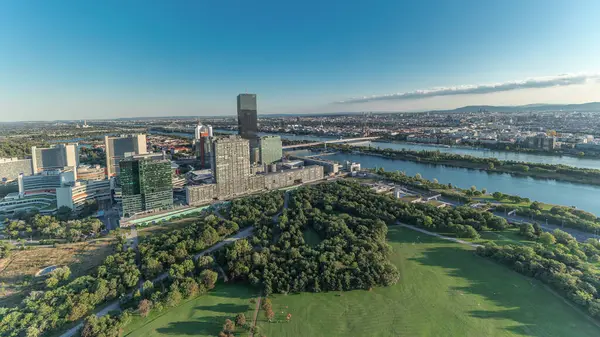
[(531, 83)]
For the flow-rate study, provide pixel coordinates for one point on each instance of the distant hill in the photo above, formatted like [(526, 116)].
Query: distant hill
[(592, 106)]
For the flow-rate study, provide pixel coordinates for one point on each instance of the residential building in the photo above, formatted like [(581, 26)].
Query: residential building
[(119, 148), (54, 157), (270, 149), (10, 168), (205, 193), (541, 142), (146, 184), (231, 165)]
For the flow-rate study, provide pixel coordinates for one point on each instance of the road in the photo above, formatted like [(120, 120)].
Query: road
[(115, 305)]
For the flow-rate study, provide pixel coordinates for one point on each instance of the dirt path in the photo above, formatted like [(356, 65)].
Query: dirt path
[(255, 318)]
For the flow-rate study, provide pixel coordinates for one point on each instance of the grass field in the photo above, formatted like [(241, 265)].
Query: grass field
[(17, 272), (445, 290), (203, 316)]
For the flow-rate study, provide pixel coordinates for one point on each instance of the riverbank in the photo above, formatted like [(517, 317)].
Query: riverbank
[(492, 165)]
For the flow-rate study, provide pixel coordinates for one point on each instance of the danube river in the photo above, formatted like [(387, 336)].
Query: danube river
[(586, 197)]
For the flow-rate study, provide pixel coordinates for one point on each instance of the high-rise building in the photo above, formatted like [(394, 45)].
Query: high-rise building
[(247, 116), (119, 148), (146, 184), (54, 157), (231, 165), (202, 141), (270, 149), (10, 168)]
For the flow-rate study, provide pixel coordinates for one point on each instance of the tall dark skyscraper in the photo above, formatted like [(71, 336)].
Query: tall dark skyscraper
[(247, 116)]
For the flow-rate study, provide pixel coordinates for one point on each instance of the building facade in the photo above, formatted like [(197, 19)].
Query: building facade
[(77, 194), (119, 148), (231, 165), (54, 157), (146, 185), (206, 193), (247, 116), (270, 149), (10, 168)]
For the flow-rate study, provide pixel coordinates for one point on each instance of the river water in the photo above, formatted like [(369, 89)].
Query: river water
[(584, 197), (486, 153)]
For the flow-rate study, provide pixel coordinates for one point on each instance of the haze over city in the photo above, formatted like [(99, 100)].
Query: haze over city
[(78, 60)]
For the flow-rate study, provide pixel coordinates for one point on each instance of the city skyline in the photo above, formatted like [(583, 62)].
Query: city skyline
[(75, 61)]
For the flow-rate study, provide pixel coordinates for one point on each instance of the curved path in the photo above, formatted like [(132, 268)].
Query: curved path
[(115, 304)]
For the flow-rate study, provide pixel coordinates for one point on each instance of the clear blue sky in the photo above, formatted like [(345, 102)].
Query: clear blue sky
[(85, 59)]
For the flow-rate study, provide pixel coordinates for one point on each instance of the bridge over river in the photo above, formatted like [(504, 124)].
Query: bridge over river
[(333, 141)]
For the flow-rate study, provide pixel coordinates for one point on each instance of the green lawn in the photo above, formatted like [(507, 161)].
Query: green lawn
[(445, 290), (203, 316)]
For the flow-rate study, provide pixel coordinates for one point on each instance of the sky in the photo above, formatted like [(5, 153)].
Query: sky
[(108, 59)]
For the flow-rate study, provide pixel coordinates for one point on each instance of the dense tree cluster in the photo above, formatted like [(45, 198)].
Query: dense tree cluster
[(50, 227), (247, 212), (19, 147), (105, 326), (160, 252), (557, 260), (66, 302), (566, 216), (92, 156)]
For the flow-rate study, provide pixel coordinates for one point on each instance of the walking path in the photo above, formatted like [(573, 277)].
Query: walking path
[(255, 318), (474, 245), (115, 305)]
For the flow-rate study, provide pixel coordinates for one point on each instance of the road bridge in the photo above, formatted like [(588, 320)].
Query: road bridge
[(333, 141)]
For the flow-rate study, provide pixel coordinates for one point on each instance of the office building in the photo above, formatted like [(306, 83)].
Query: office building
[(54, 157), (202, 143), (47, 181), (270, 149), (231, 165), (10, 168), (146, 184), (52, 189), (76, 195), (119, 148), (247, 116)]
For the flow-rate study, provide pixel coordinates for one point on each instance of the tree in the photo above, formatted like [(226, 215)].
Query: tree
[(497, 223), (547, 238), (240, 319), (229, 326), (269, 314), (64, 213), (527, 230), (144, 307), (562, 237), (536, 206), (208, 278), (473, 188), (173, 296), (491, 166)]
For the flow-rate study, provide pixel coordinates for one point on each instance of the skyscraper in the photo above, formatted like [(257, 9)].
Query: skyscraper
[(247, 116), (231, 165), (54, 157), (118, 148), (270, 149), (146, 184)]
